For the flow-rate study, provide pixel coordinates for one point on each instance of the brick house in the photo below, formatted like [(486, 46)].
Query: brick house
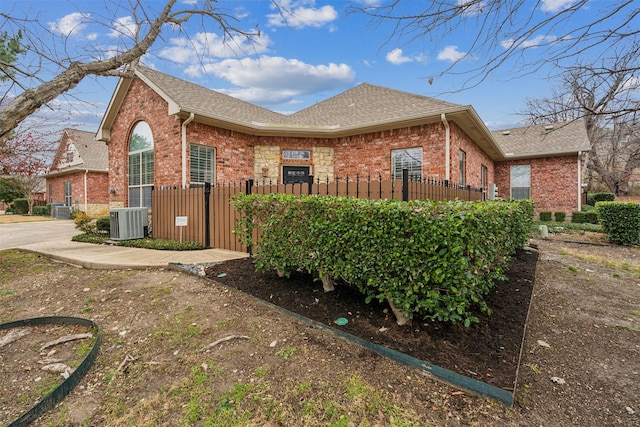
[(79, 173), (165, 131)]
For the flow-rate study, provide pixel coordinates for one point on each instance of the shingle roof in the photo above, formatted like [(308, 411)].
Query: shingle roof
[(363, 109), (94, 154), (364, 105), (540, 140), (206, 102)]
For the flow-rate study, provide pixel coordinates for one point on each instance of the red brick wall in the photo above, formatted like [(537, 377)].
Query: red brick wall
[(554, 182), (97, 188), (475, 159)]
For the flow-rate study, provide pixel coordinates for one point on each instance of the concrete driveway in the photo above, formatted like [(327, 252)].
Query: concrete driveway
[(21, 234)]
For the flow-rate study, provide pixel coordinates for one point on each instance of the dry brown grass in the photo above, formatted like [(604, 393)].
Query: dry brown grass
[(11, 219)]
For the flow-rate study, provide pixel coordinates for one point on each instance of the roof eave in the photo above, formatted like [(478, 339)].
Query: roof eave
[(71, 170), (549, 153), (104, 130), (464, 116)]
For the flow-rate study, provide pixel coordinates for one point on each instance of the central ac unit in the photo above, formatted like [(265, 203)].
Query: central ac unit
[(128, 223)]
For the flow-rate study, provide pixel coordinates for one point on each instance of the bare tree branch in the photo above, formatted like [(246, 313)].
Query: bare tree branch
[(607, 98), (73, 71), (501, 33)]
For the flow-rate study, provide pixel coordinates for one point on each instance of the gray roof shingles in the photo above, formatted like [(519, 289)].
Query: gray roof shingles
[(362, 106), (94, 154), (533, 140)]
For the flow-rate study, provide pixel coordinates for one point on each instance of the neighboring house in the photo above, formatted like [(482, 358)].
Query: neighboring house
[(78, 176), (545, 163), (164, 131)]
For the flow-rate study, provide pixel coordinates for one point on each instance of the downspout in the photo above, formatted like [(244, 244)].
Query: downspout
[(447, 139), (184, 149), (86, 207), (579, 180)]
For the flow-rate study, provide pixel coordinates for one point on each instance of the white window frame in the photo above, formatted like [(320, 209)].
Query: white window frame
[(520, 182), (205, 165), (141, 168)]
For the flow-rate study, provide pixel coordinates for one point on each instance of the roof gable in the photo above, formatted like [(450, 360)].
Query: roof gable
[(78, 150)]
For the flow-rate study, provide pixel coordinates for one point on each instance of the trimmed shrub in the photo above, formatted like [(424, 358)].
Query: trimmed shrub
[(591, 217), (620, 221), (103, 224), (20, 206), (41, 210), (594, 198), (560, 216), (545, 216), (429, 260), (588, 208), (578, 217)]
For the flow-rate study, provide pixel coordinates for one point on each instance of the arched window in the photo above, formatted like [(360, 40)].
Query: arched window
[(140, 166)]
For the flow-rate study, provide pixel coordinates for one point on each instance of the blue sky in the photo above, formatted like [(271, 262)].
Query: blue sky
[(319, 51)]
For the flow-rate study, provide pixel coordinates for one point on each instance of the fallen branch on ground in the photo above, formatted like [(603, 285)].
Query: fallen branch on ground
[(14, 335), (66, 338), (221, 340)]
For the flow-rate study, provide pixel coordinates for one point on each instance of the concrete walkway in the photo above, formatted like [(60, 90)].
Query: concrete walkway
[(60, 247)]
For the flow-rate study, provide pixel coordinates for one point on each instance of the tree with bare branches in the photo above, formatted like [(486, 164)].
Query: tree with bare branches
[(606, 95), (30, 86), (503, 35)]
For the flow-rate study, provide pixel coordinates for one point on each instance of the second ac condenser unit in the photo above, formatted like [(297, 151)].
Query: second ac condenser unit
[(128, 223)]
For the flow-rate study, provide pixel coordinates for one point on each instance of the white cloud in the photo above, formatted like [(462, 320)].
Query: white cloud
[(69, 24), (632, 84), (451, 53), (471, 7), (396, 56), (537, 41), (124, 26), (553, 6), (203, 46), (274, 80), (298, 16)]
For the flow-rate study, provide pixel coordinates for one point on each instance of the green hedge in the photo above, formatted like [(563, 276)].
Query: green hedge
[(545, 216), (620, 221), (41, 210), (594, 198), (103, 224), (560, 216), (430, 260), (585, 217), (20, 206)]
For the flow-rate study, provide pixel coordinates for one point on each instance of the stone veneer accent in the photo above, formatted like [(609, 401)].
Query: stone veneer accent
[(323, 160), (268, 157)]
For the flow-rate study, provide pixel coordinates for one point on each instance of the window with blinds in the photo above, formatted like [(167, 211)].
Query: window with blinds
[(406, 158), (203, 164), (141, 166), (521, 182)]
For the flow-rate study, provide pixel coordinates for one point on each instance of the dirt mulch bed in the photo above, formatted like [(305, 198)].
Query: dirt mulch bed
[(487, 351)]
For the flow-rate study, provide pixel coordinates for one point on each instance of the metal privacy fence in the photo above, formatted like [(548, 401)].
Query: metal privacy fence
[(205, 214)]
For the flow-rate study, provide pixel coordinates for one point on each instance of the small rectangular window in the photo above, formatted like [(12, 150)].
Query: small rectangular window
[(296, 154), (463, 168), (483, 177), (203, 161), (521, 182), (67, 194), (407, 158)]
